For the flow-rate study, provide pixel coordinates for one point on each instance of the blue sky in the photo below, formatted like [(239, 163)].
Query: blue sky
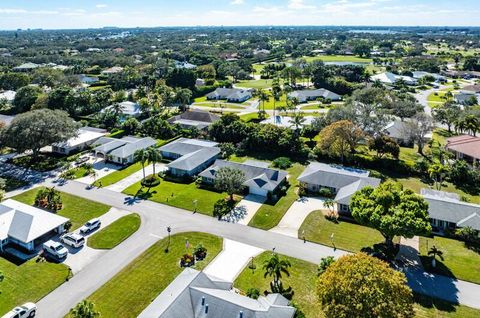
[(56, 14)]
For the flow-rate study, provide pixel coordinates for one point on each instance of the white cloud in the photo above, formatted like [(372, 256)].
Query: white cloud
[(299, 4), (101, 5), (237, 2)]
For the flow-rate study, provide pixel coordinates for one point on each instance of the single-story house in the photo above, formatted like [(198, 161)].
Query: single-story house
[(194, 118), (121, 151), (464, 97), (184, 64), (447, 211), (286, 121), (9, 96), (112, 70), (472, 88), (390, 78), (314, 94), (26, 226), (127, 108), (199, 82), (465, 147), (237, 95), (190, 156), (342, 181), (420, 74), (86, 137), (398, 130), (260, 179), (194, 294), (26, 67)]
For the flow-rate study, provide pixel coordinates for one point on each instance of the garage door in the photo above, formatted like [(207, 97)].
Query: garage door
[(258, 191)]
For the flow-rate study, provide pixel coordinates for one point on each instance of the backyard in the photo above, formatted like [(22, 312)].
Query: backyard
[(29, 281), (346, 236), (77, 209), (115, 233), (185, 196), (138, 284), (459, 261), (269, 215)]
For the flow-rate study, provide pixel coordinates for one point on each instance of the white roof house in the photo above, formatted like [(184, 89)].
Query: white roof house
[(8, 95), (422, 74), (121, 150), (22, 224), (194, 294), (312, 94), (390, 78), (127, 108), (86, 136), (286, 121)]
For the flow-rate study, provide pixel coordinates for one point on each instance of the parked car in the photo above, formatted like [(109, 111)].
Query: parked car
[(73, 240), (90, 226), (27, 310), (82, 160), (55, 249)]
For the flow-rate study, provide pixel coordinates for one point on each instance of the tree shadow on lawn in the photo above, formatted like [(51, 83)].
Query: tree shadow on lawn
[(429, 302), (440, 268)]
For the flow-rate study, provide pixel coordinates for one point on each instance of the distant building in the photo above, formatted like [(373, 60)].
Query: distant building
[(84, 79), (194, 294), (309, 95), (399, 131), (465, 147), (190, 156), (464, 97), (199, 82), (112, 70), (342, 182), (186, 65), (86, 137), (447, 212), (26, 67), (121, 151), (390, 78), (437, 77), (194, 118), (9, 96), (236, 95)]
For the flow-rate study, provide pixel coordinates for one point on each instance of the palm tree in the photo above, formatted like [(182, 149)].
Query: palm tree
[(297, 121), (274, 266), (117, 109), (434, 252), (325, 262), (263, 97), (154, 157), (85, 309), (141, 155), (330, 205), (471, 124), (437, 172)]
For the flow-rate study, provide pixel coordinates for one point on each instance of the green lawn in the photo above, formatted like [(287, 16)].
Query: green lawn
[(250, 116), (347, 236), (115, 233), (337, 58), (219, 105), (78, 210), (179, 195), (28, 282), (138, 284), (118, 175), (257, 84), (268, 216), (459, 261), (303, 277)]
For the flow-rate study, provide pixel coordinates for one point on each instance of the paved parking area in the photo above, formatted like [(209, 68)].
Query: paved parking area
[(231, 261), (245, 209), (136, 177), (296, 214), (77, 259), (101, 167)]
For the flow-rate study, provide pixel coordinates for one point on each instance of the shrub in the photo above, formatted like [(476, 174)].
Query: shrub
[(282, 163), (187, 260), (150, 181), (200, 252), (325, 192), (253, 293), (49, 198)]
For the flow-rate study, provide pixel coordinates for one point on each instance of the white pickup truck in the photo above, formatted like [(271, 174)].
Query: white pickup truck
[(27, 310), (55, 249)]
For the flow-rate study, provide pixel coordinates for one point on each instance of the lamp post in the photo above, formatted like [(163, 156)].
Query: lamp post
[(169, 230), (195, 205)]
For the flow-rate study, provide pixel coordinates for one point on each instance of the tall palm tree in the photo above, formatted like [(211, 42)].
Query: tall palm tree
[(434, 252), (117, 109), (330, 205), (154, 157), (471, 124), (263, 97), (85, 309), (274, 266), (297, 121), (437, 171), (141, 155)]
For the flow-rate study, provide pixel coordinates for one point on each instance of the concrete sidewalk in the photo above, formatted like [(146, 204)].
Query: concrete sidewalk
[(231, 261)]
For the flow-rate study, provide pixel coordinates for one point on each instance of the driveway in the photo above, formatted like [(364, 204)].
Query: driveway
[(135, 177), (245, 209), (101, 167), (296, 214), (78, 259), (231, 261)]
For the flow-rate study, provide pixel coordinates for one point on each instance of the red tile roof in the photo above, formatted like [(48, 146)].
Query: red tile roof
[(465, 144)]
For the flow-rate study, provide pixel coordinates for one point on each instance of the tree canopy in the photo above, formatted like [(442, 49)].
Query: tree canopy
[(363, 286)]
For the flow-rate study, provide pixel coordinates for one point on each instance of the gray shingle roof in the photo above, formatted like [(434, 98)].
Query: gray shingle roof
[(194, 118), (183, 146), (346, 180), (183, 298), (194, 159), (265, 178), (315, 93), (442, 206), (124, 147), (229, 93)]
